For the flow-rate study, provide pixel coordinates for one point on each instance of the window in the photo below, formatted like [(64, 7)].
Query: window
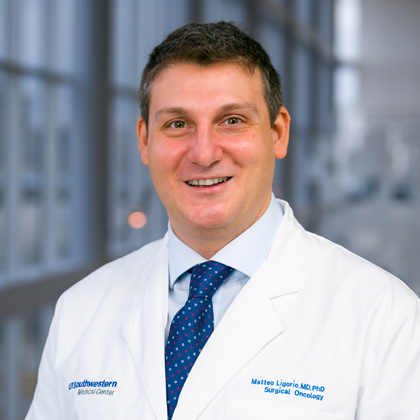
[(36, 103)]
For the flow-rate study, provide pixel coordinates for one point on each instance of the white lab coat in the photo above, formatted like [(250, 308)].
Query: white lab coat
[(316, 334)]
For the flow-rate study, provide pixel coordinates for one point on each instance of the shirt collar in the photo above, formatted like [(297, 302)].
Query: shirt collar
[(245, 253)]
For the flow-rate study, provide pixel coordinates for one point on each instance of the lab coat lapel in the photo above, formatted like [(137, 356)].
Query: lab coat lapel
[(250, 323), (144, 329)]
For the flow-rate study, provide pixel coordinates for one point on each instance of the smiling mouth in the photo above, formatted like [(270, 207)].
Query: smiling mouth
[(207, 182)]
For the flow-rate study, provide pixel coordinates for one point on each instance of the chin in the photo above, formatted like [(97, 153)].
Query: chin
[(209, 220)]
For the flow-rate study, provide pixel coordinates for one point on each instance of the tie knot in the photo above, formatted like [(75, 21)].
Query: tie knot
[(206, 278)]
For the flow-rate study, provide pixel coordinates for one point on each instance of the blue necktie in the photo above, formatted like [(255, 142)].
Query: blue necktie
[(191, 327)]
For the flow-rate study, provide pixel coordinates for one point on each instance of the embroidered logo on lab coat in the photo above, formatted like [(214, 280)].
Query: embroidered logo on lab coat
[(87, 387)]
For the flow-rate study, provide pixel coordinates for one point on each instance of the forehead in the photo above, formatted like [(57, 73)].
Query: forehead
[(195, 84)]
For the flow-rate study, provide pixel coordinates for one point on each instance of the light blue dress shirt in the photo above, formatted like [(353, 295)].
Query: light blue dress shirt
[(244, 254)]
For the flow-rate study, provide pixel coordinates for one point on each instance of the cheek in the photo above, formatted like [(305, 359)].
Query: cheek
[(254, 154), (243, 152), (164, 161), (157, 168), (160, 156)]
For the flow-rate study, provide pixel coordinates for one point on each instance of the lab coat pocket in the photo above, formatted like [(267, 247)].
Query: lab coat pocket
[(259, 410)]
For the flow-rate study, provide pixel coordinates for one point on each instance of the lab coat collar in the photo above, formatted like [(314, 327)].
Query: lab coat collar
[(286, 256)]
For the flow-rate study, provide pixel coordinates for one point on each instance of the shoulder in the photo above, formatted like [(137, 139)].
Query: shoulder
[(339, 261), (342, 277), (119, 275), (355, 283)]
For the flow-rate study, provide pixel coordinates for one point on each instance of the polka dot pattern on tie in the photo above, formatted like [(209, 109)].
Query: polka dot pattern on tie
[(191, 327)]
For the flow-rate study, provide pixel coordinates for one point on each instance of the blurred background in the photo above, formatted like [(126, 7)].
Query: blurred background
[(73, 191)]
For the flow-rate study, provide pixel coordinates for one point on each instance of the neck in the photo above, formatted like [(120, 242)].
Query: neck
[(208, 242)]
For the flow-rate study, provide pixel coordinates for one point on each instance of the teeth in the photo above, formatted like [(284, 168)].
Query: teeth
[(207, 182)]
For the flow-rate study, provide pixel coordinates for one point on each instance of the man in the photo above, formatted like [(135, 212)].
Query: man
[(238, 312)]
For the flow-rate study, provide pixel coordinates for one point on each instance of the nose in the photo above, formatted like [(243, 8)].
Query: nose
[(204, 149)]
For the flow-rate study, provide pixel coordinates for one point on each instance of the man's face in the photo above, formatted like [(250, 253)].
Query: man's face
[(210, 148)]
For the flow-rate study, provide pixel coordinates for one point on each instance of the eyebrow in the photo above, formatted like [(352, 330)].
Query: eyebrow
[(239, 106), (171, 111)]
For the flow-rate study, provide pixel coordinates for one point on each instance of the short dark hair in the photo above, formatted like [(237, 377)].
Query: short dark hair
[(209, 43)]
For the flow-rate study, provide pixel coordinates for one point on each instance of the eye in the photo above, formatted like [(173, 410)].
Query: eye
[(177, 128), (178, 124), (233, 121)]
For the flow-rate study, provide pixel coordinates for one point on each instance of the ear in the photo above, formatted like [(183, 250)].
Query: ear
[(143, 140), (281, 130)]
